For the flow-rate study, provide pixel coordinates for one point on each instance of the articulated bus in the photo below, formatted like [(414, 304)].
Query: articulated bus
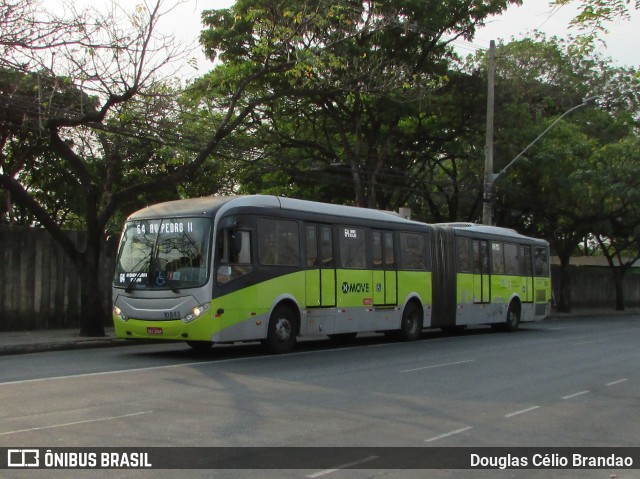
[(271, 269)]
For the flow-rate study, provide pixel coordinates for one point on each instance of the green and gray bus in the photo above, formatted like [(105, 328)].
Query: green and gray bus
[(272, 269), (488, 275)]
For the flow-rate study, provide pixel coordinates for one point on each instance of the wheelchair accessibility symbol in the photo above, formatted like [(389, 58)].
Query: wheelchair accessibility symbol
[(161, 279)]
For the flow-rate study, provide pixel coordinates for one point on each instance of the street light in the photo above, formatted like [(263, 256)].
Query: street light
[(487, 216)]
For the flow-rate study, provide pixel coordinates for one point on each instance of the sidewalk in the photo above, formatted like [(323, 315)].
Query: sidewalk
[(20, 342)]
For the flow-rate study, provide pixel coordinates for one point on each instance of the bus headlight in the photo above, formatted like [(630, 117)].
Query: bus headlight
[(196, 313), (118, 312)]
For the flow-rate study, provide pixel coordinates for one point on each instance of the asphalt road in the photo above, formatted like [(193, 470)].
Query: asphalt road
[(558, 383)]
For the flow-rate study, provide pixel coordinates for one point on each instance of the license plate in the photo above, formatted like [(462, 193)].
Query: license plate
[(154, 330)]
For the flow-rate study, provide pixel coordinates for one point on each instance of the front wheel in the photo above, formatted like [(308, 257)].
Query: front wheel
[(282, 331)]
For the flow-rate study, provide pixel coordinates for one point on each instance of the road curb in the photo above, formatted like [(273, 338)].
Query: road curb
[(14, 349)]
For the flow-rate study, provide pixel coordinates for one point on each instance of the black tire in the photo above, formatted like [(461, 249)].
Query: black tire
[(513, 317), (411, 325), (282, 331), (200, 345)]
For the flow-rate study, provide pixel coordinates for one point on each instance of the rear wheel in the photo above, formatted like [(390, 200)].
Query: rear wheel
[(281, 335), (513, 317), (411, 325)]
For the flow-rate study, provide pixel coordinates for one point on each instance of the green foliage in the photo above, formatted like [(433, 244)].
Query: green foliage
[(595, 17), (349, 77)]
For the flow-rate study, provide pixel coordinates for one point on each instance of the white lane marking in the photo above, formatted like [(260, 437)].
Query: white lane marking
[(613, 383), (522, 411), (590, 342), (438, 365), (447, 434), (571, 396), (6, 433), (105, 373), (343, 466), (203, 363)]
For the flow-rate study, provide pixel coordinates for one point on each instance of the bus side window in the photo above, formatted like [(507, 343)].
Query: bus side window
[(326, 247), (278, 242), (376, 240), (383, 252), (480, 259), (234, 253), (353, 249), (497, 258), (464, 256), (413, 251), (511, 259), (312, 247), (524, 258), (389, 255), (541, 262)]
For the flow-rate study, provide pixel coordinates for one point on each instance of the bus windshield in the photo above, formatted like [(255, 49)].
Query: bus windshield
[(167, 253)]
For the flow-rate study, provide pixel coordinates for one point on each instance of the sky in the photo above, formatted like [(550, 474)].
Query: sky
[(621, 41), (518, 22)]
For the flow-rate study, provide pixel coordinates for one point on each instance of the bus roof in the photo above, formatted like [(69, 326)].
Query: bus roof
[(210, 205), (486, 231), (206, 206)]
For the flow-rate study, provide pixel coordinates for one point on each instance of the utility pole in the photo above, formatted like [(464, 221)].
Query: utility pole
[(487, 206), (489, 176)]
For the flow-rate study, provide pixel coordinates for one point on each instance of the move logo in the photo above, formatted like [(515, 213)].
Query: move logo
[(355, 287)]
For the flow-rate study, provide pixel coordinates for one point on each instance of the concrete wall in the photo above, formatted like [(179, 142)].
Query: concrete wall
[(39, 286), (592, 286)]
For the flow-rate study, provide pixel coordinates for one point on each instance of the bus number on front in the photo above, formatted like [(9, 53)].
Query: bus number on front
[(165, 227)]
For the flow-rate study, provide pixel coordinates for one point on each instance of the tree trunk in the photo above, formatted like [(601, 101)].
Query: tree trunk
[(563, 303), (618, 281), (93, 315)]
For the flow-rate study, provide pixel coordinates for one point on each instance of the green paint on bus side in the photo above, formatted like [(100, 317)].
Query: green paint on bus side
[(471, 290), (353, 289)]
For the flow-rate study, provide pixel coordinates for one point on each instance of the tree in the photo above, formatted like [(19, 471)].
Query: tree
[(551, 191), (361, 68), (614, 179), (594, 18), (594, 15), (118, 140)]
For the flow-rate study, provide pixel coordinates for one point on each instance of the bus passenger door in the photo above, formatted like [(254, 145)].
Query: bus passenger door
[(481, 280), (320, 275), (312, 272), (527, 272), (327, 268), (390, 273), (385, 278)]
